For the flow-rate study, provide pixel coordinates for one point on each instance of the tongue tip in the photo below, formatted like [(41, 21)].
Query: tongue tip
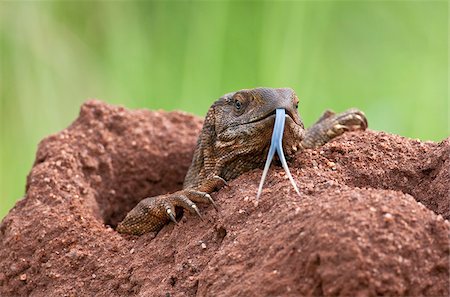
[(293, 183), (258, 195)]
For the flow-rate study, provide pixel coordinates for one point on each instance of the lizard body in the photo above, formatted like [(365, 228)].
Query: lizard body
[(235, 138)]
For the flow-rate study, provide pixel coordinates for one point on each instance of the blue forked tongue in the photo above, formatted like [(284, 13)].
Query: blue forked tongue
[(276, 145)]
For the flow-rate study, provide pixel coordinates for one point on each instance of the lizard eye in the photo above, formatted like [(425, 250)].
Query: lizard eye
[(296, 105), (238, 104)]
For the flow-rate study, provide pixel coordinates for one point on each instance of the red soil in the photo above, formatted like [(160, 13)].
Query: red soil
[(371, 218)]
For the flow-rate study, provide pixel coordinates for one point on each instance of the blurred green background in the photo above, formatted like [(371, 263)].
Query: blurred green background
[(388, 58)]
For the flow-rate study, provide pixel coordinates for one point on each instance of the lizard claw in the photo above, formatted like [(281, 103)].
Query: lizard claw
[(201, 197), (151, 214), (183, 201), (170, 212), (331, 125), (212, 202), (212, 184), (220, 181), (195, 208)]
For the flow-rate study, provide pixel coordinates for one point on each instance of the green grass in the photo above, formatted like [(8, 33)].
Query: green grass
[(388, 58)]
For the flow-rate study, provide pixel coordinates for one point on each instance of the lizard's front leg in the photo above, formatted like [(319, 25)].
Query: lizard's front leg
[(151, 214), (331, 125)]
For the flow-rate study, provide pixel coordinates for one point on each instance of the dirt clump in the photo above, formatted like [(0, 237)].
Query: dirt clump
[(371, 218)]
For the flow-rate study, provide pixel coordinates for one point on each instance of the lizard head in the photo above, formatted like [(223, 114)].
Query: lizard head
[(245, 120)]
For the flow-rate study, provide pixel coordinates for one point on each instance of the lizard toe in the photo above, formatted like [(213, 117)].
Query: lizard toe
[(200, 197), (212, 184), (180, 199), (331, 125)]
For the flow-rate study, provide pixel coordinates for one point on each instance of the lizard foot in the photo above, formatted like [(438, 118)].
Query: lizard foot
[(151, 214), (213, 183), (331, 125)]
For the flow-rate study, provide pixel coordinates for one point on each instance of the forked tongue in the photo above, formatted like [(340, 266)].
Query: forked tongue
[(276, 145)]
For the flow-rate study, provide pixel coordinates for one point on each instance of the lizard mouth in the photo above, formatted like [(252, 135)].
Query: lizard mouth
[(271, 114)]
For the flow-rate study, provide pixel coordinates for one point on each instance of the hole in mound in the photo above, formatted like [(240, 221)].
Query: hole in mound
[(120, 181)]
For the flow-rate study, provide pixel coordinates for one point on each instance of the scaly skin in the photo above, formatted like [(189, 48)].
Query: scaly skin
[(235, 138)]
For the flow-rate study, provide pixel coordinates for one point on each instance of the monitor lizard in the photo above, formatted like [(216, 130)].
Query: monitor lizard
[(235, 138)]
